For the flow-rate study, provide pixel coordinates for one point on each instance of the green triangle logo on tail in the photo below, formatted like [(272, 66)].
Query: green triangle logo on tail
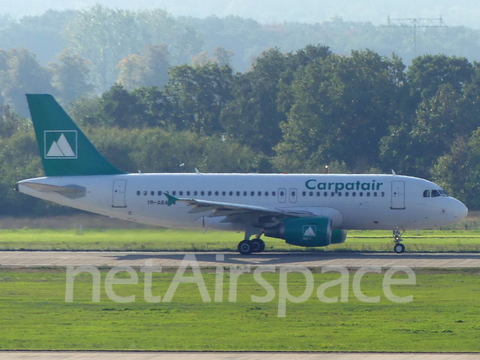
[(58, 147), (64, 148)]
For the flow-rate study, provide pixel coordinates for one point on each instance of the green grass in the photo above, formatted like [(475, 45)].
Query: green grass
[(443, 315), (196, 240)]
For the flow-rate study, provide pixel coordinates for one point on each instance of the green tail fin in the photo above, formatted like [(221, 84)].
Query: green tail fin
[(64, 148)]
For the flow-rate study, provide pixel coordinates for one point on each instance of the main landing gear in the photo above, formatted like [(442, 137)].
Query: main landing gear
[(246, 247), (399, 247)]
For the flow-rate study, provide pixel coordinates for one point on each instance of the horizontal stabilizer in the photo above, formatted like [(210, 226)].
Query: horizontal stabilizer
[(69, 191)]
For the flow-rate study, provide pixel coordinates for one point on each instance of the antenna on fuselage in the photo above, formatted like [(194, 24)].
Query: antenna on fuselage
[(393, 172)]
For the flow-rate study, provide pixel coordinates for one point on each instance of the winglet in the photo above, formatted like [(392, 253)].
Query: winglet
[(171, 199)]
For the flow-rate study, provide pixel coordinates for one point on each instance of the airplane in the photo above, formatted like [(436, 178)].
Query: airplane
[(309, 210)]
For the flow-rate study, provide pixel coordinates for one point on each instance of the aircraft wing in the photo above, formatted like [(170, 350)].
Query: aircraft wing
[(237, 212)]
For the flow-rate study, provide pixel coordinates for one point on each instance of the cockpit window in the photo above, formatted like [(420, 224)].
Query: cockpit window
[(443, 193), (435, 193)]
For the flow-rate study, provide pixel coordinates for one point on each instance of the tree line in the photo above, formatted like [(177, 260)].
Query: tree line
[(136, 48), (292, 112)]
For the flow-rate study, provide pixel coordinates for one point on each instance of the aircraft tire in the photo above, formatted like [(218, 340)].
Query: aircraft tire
[(245, 247), (258, 245), (399, 248)]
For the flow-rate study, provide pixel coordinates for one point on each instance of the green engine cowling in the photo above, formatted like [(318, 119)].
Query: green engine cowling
[(338, 236), (312, 231)]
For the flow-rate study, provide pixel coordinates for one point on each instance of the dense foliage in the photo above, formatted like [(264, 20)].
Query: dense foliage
[(125, 46), (158, 93), (293, 112)]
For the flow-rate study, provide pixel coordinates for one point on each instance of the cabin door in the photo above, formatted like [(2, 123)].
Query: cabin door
[(398, 195), (119, 187)]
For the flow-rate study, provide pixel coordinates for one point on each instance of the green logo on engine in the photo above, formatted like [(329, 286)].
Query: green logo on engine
[(309, 231)]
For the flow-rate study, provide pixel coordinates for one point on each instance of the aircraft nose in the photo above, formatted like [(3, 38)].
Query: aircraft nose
[(458, 210)]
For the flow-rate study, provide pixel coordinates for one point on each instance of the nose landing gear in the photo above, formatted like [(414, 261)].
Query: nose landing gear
[(398, 247)]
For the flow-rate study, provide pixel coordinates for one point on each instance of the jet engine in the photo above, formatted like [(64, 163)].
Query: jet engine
[(312, 231), (338, 236)]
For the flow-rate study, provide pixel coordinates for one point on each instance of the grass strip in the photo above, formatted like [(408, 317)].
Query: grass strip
[(443, 315), (195, 240)]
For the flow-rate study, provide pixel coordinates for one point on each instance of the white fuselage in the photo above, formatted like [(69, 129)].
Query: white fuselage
[(352, 201)]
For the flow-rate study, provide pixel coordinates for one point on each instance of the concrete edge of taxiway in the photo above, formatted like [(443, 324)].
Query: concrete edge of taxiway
[(229, 259)]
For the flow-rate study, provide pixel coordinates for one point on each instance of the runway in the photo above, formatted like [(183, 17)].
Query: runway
[(228, 259)]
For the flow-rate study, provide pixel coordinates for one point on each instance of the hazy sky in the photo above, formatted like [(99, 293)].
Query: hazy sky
[(454, 13)]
